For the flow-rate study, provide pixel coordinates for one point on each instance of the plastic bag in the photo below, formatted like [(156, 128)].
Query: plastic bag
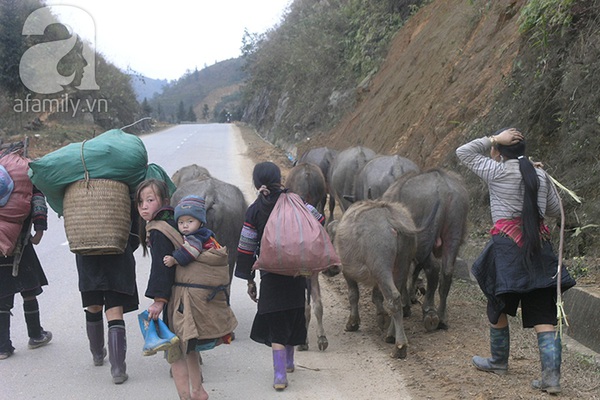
[(294, 242)]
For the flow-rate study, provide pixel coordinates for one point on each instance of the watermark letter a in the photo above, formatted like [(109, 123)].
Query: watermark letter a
[(38, 67)]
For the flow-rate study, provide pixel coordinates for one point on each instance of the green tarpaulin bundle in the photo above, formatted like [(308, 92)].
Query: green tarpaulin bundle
[(113, 155)]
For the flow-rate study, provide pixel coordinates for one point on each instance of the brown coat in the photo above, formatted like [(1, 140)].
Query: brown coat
[(199, 305)]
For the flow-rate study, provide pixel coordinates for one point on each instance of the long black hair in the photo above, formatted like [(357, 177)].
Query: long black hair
[(266, 177), (530, 214)]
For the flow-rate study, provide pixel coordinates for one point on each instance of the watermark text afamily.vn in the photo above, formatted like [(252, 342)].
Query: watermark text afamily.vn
[(62, 104)]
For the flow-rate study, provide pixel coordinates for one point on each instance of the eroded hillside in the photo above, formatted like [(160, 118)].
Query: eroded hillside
[(439, 76)]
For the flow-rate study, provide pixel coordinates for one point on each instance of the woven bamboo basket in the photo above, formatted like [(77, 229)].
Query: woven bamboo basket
[(97, 216)]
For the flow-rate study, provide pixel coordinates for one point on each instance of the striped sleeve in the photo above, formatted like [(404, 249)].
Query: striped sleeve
[(247, 249), (248, 240), (320, 217), (39, 210), (191, 249), (474, 156)]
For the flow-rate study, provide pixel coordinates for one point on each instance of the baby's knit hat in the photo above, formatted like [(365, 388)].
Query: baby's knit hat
[(193, 206)]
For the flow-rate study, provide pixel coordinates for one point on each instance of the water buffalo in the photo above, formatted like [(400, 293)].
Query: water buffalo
[(376, 242), (322, 157), (225, 206), (306, 180), (344, 169), (378, 174), (190, 172), (442, 236)]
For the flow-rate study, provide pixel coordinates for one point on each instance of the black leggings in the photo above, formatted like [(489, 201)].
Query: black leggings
[(8, 302)]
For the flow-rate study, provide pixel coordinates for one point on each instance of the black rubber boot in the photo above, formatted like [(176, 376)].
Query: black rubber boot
[(550, 347), (500, 348), (117, 350)]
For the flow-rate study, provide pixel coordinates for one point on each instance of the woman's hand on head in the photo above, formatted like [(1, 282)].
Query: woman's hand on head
[(508, 137)]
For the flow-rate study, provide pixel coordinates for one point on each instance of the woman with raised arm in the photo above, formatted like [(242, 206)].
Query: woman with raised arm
[(518, 266)]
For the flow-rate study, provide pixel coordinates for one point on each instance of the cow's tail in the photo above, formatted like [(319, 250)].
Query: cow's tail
[(430, 218)]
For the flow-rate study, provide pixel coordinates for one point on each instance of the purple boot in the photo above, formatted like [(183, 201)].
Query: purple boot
[(289, 353), (279, 360)]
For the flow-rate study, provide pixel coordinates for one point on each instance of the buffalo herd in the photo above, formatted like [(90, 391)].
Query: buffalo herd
[(395, 225)]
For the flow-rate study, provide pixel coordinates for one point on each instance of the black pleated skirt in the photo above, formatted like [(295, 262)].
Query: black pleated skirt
[(31, 276), (286, 327)]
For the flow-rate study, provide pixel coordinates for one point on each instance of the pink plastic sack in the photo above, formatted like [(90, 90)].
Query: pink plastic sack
[(294, 242), (9, 234)]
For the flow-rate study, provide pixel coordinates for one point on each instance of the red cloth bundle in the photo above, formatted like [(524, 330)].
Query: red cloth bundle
[(18, 207)]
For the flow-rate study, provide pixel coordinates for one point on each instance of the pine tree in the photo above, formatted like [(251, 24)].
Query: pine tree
[(160, 113), (146, 108), (191, 115), (181, 114)]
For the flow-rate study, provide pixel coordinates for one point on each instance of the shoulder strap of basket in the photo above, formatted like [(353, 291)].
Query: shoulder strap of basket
[(170, 232)]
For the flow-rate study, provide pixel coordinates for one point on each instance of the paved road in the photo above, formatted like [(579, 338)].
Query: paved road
[(242, 370)]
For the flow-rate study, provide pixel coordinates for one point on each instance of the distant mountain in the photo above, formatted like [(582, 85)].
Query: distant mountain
[(194, 86), (145, 87)]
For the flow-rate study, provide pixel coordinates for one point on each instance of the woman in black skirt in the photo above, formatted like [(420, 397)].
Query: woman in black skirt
[(28, 282), (279, 322), (109, 282)]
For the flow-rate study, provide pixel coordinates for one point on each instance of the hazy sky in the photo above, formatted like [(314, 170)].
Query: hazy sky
[(162, 39)]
